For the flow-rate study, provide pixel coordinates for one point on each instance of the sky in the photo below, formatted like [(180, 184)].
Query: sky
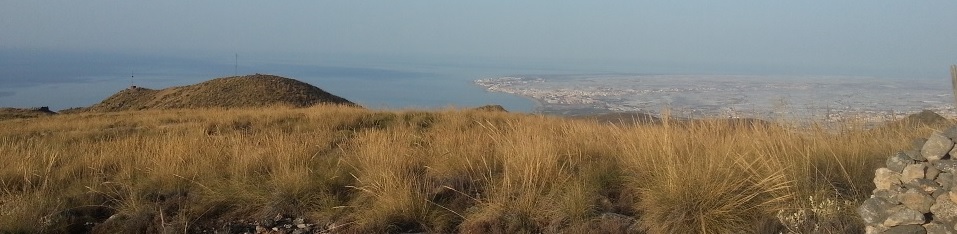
[(874, 37)]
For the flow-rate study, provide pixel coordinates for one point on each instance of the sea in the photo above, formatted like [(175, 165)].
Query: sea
[(66, 79), (60, 80)]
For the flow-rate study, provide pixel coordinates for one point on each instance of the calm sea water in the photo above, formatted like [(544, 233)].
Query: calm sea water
[(63, 80), (59, 79)]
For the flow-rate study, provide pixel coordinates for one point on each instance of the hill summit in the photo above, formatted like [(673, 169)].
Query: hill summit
[(227, 92)]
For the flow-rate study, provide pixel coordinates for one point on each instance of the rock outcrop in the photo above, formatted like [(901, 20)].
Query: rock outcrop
[(915, 191)]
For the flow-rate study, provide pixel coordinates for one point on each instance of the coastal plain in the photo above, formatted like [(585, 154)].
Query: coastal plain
[(804, 98)]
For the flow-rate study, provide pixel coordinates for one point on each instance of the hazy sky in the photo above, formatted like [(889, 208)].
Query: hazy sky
[(910, 38)]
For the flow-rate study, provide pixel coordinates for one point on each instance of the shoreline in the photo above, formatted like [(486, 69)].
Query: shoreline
[(537, 105)]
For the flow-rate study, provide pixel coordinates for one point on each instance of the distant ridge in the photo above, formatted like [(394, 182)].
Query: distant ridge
[(24, 113), (227, 92)]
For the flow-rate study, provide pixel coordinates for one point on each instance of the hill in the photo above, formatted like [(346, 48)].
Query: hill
[(229, 92), (923, 118)]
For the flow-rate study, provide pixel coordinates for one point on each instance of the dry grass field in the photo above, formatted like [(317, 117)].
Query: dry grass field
[(353, 170)]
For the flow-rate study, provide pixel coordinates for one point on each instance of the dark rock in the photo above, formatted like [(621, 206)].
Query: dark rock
[(936, 147), (931, 173), (952, 153), (875, 229), (949, 166), (898, 161), (916, 200), (925, 117), (951, 133), (935, 227), (874, 210), (915, 155), (928, 186), (890, 194), (901, 215), (938, 193), (907, 229), (945, 180)]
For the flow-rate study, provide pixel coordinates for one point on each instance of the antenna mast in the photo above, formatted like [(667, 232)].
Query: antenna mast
[(131, 79), (236, 68)]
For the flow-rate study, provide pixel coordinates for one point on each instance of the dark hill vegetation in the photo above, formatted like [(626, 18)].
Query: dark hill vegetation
[(491, 108), (228, 92), (23, 113)]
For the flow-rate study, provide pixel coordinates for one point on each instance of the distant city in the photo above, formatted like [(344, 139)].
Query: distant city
[(816, 98)]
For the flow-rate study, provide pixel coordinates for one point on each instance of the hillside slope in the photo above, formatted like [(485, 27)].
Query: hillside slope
[(228, 92)]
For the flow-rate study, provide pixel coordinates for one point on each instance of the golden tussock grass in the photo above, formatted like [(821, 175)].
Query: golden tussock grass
[(356, 170)]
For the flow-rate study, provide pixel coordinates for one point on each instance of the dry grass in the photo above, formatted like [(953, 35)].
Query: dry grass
[(445, 171)]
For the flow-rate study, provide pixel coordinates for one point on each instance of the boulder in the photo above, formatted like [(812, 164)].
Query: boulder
[(898, 161), (918, 143), (916, 200), (952, 153), (951, 133), (907, 229), (949, 166), (874, 210), (890, 194), (875, 229), (915, 155), (931, 173), (936, 147), (885, 178), (913, 172), (935, 227), (901, 215), (944, 210), (928, 186), (945, 180)]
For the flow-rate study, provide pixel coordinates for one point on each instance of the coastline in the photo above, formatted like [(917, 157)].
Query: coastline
[(538, 105), (728, 96)]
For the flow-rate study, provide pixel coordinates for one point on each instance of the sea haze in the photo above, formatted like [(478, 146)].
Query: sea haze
[(75, 79)]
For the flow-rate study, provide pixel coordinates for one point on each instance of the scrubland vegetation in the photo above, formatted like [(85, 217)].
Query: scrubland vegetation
[(353, 170)]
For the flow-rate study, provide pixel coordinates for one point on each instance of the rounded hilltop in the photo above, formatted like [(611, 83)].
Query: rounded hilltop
[(227, 92)]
